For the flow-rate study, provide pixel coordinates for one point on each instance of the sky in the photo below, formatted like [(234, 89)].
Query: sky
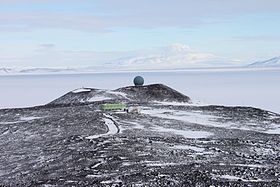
[(81, 33)]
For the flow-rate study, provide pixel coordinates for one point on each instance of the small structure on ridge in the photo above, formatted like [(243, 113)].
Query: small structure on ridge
[(138, 81), (113, 106)]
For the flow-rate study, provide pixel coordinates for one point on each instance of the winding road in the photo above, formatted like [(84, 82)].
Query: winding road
[(111, 126)]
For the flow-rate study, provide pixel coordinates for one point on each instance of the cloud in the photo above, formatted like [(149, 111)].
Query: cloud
[(105, 15), (41, 20), (259, 38), (46, 46), (180, 13)]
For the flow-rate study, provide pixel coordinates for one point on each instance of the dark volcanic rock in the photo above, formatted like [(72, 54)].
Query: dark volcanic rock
[(154, 92), (88, 95), (70, 142)]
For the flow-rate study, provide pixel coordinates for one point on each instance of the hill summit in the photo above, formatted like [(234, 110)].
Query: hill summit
[(147, 93)]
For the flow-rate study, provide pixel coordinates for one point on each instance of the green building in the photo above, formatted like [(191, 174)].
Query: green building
[(113, 106)]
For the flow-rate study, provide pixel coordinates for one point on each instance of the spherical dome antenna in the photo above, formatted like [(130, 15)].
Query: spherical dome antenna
[(138, 81)]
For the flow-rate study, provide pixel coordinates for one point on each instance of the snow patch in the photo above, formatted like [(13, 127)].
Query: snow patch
[(98, 98), (206, 119), (130, 125), (124, 95), (275, 129), (161, 164), (190, 117), (184, 133), (29, 118), (22, 119), (234, 178), (94, 176), (230, 177), (10, 122), (172, 103), (250, 165), (188, 147), (80, 90), (111, 181)]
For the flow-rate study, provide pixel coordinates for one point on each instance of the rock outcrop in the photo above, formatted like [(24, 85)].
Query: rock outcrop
[(148, 93)]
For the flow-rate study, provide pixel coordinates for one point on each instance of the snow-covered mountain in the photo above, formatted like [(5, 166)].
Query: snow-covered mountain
[(46, 70), (170, 57), (5, 70), (12, 71), (175, 56), (273, 62)]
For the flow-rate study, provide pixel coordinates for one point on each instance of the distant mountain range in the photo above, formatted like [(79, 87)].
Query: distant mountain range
[(273, 62), (176, 56), (35, 70), (5, 70), (171, 57)]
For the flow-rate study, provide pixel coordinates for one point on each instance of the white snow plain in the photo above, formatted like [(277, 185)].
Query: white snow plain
[(243, 87)]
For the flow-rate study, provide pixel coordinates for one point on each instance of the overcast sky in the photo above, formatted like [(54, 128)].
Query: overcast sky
[(67, 33)]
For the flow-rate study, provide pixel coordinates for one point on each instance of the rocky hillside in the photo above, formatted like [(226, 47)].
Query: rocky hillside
[(154, 92), (70, 142)]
